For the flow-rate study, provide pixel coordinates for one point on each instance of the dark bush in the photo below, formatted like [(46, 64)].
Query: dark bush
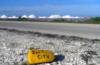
[(95, 20), (22, 19)]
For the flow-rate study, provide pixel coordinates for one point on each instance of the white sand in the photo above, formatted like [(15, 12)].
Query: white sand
[(14, 45)]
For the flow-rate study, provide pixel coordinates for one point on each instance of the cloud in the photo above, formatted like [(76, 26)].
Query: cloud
[(77, 17), (13, 17), (24, 16), (42, 17), (51, 16), (67, 16), (31, 16), (3, 16), (55, 16)]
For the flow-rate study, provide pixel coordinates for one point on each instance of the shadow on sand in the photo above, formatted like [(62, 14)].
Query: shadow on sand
[(59, 57)]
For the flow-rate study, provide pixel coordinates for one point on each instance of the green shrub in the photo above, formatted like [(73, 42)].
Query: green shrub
[(95, 20), (22, 19)]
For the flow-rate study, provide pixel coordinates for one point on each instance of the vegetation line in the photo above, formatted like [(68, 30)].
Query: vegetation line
[(92, 20)]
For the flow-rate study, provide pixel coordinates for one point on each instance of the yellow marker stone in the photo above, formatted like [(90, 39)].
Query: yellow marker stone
[(40, 56)]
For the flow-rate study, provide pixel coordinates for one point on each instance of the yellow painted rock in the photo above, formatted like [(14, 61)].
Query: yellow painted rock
[(40, 56)]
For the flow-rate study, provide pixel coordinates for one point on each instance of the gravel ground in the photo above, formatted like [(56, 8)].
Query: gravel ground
[(75, 51)]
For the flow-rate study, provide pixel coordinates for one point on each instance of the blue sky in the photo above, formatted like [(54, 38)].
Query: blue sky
[(48, 7)]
